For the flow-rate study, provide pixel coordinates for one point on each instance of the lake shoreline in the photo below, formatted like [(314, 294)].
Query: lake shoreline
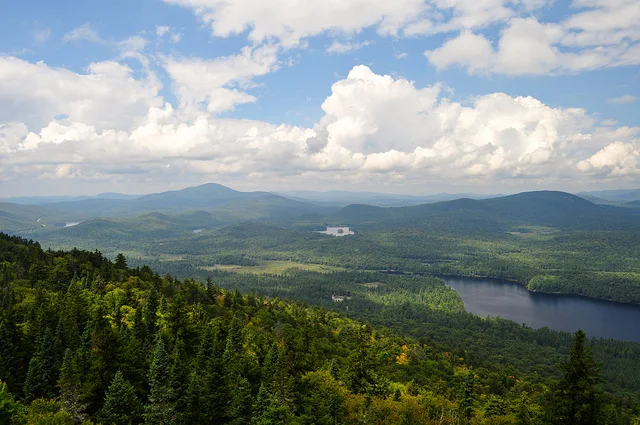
[(513, 281), (491, 297)]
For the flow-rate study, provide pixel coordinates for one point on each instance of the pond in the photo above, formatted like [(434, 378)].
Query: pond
[(598, 318)]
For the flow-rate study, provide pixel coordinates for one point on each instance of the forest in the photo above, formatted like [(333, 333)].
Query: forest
[(86, 340), (547, 241)]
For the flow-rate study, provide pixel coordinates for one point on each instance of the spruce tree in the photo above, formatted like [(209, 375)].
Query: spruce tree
[(178, 380), (40, 375), (121, 406), (578, 398), (467, 398), (159, 409), (11, 368), (70, 388)]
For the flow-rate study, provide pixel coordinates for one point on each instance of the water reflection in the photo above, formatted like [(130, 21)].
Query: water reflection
[(492, 297)]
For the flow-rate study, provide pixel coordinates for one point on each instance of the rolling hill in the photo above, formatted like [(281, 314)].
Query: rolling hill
[(542, 208), (227, 205)]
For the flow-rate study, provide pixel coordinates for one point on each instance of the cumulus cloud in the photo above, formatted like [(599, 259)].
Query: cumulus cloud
[(290, 21), (375, 128), (219, 83), (528, 47), (95, 98), (596, 34)]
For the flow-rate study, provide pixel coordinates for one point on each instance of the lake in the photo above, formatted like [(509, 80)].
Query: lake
[(598, 318)]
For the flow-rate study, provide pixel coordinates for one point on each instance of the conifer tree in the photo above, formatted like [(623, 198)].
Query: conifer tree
[(40, 375), (159, 410), (11, 368), (467, 398), (178, 380), (217, 397), (578, 398), (121, 406), (70, 388)]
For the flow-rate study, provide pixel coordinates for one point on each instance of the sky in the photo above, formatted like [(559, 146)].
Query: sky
[(403, 96)]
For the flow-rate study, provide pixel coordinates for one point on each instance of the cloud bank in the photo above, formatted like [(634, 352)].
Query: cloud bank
[(375, 128)]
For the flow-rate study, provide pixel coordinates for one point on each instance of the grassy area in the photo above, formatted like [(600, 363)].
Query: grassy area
[(274, 267)]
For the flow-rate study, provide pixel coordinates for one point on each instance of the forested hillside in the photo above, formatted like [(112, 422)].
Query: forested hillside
[(548, 241), (87, 340)]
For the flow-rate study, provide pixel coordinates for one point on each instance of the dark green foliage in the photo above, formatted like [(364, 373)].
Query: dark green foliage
[(578, 399), (41, 374), (121, 406), (160, 409), (125, 346), (70, 385), (10, 409)]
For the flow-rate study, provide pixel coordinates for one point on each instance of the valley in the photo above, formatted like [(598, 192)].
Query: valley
[(379, 266)]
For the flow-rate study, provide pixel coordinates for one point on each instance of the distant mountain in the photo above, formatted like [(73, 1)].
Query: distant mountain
[(44, 200), (227, 205), (344, 198), (543, 208), (617, 195)]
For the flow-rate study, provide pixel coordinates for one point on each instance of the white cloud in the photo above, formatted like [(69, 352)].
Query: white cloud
[(402, 55), (341, 48), (375, 129), (468, 50), (528, 47), (290, 21), (174, 36), (627, 98), (219, 82), (162, 30), (596, 34), (95, 98), (83, 32), (605, 22)]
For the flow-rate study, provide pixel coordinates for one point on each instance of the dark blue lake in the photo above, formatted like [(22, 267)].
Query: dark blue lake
[(493, 297)]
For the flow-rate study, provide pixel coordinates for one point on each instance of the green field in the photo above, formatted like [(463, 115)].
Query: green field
[(273, 267)]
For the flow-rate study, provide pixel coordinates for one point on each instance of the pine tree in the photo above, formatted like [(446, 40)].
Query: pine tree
[(121, 406), (159, 410), (467, 398), (268, 411), (217, 396), (241, 401), (150, 312), (70, 388), (11, 368), (193, 401), (578, 399), (121, 262), (40, 375), (178, 380)]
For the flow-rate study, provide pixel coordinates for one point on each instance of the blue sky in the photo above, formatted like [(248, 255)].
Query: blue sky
[(412, 96)]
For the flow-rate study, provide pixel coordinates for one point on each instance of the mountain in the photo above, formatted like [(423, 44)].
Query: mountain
[(228, 206), (345, 198), (617, 195), (44, 200), (207, 197), (546, 208)]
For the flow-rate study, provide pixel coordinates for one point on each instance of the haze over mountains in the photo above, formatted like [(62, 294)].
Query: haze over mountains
[(117, 223), (212, 205)]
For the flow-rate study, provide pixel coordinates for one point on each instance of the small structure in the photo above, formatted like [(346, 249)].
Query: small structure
[(339, 298), (338, 231)]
